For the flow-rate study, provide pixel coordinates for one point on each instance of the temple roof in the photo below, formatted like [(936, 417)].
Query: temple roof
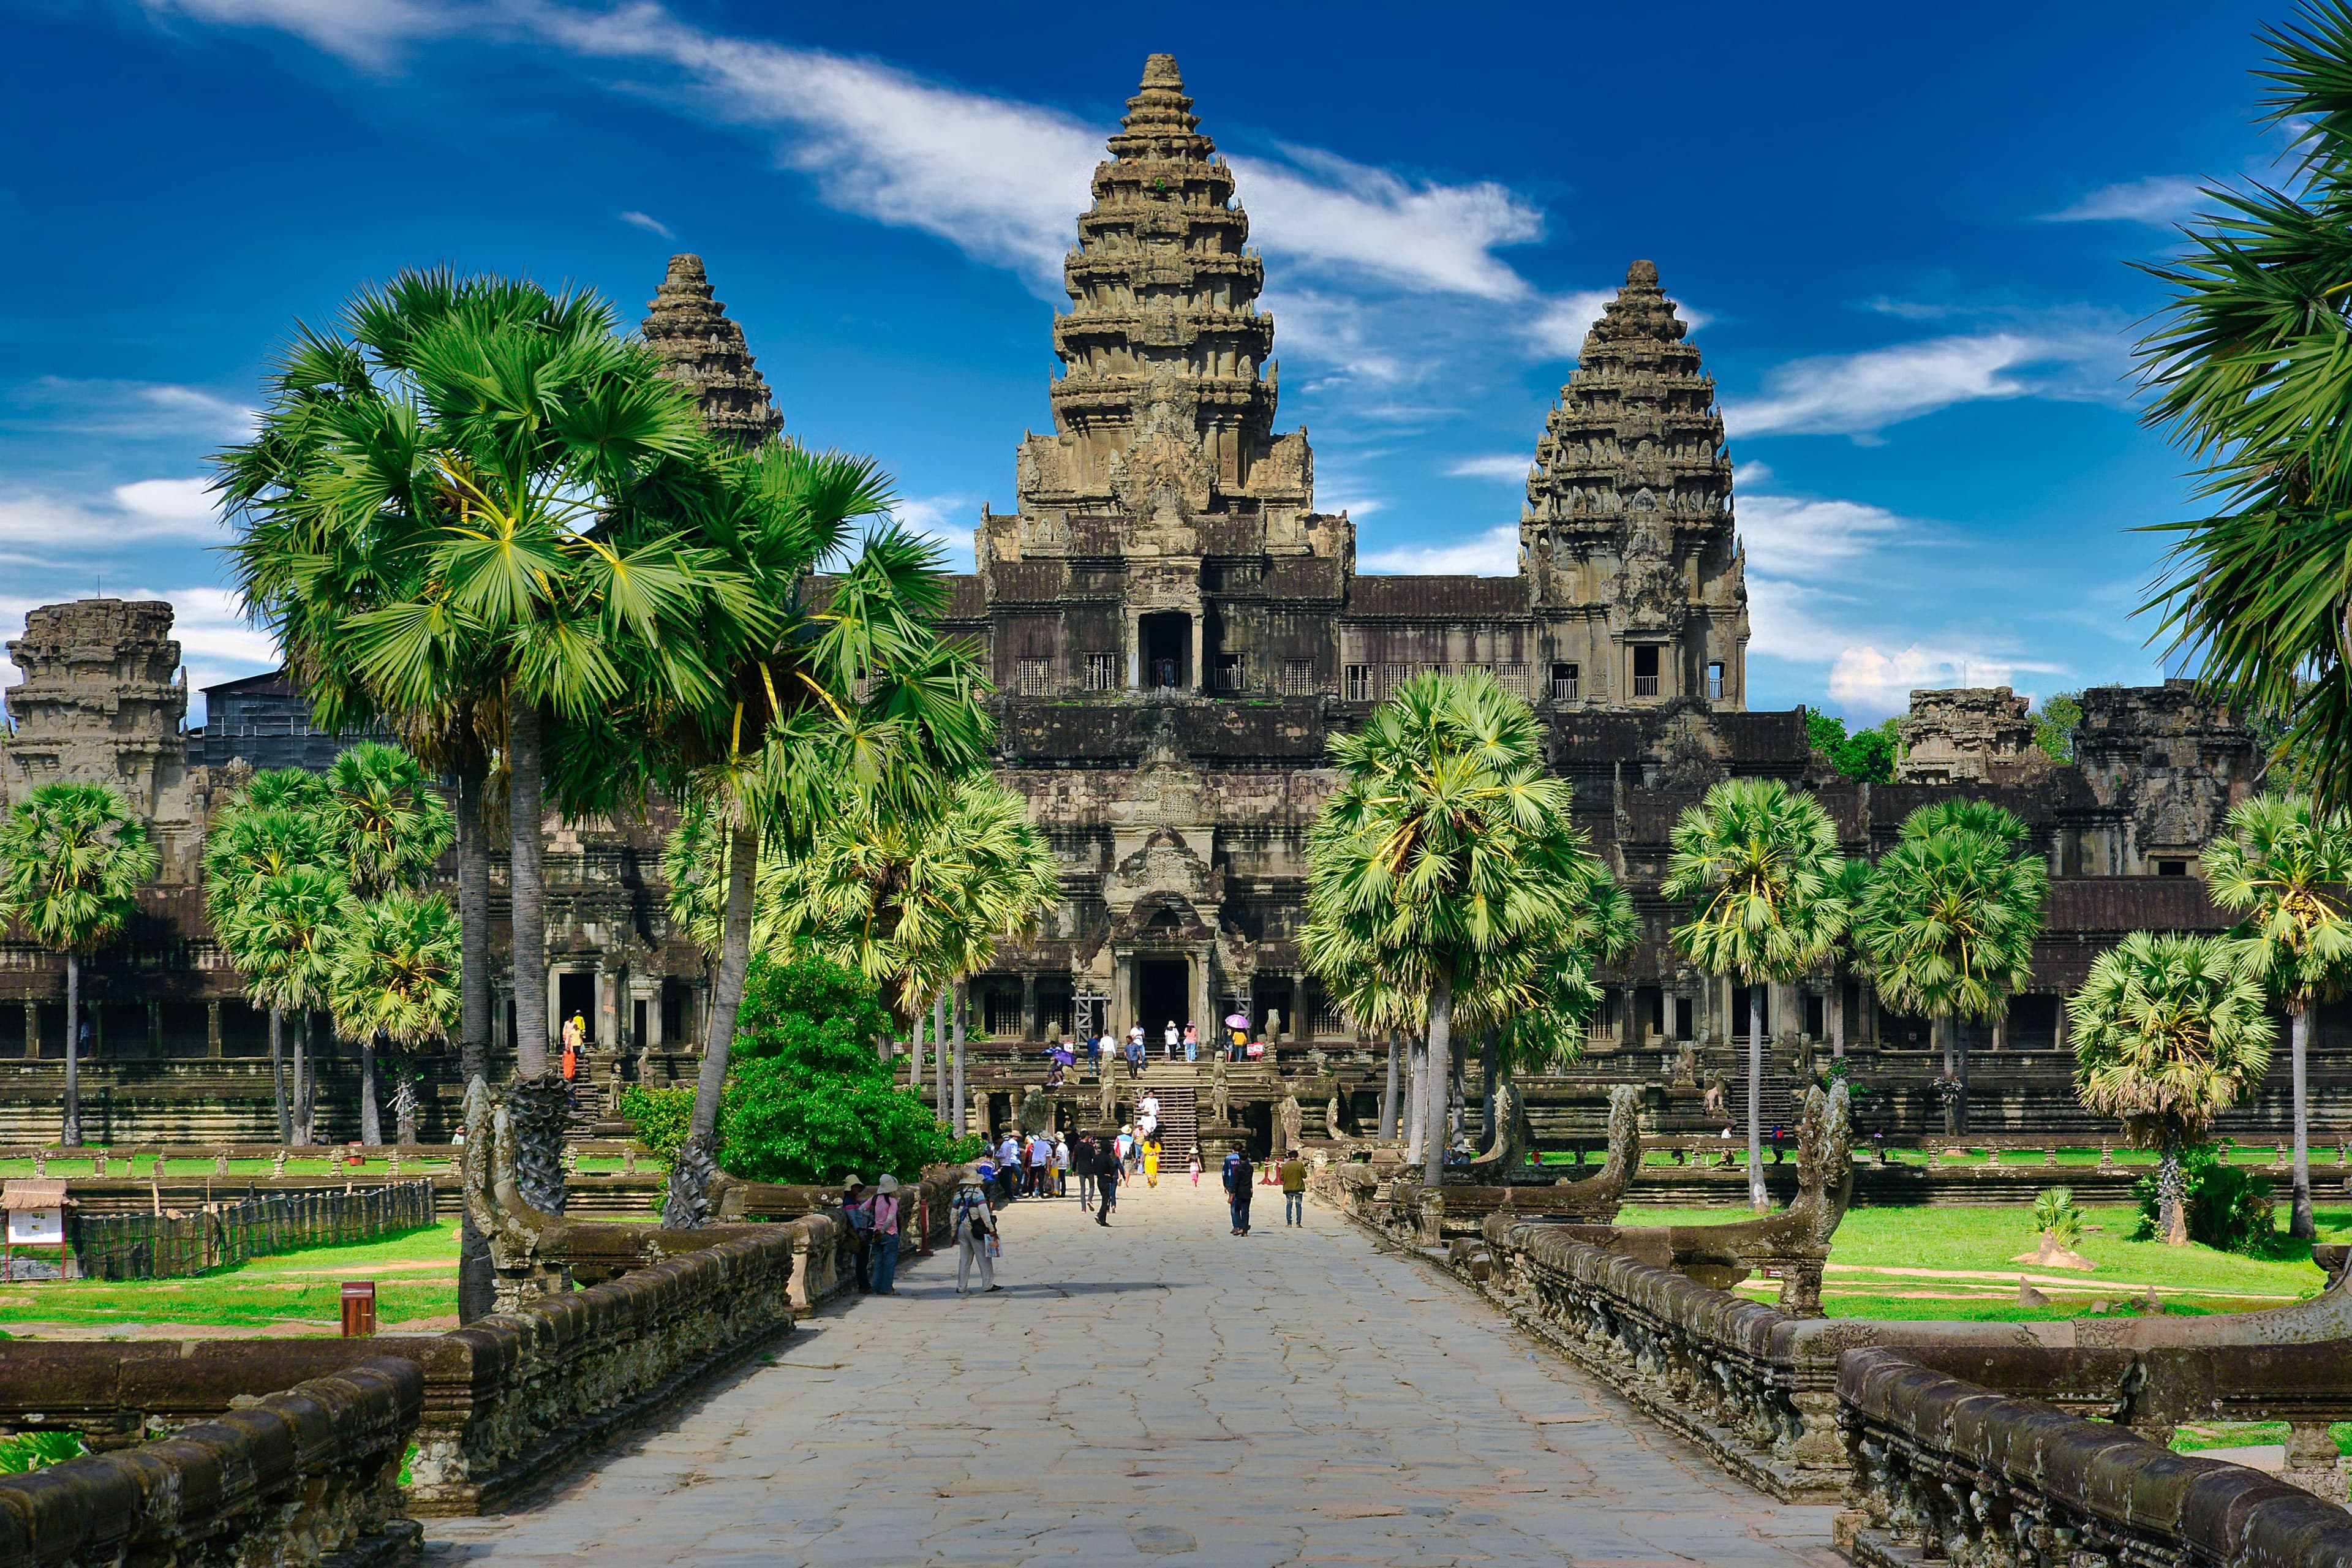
[(703, 350)]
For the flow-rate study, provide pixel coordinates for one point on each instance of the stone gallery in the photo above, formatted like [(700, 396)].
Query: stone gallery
[(1175, 632)]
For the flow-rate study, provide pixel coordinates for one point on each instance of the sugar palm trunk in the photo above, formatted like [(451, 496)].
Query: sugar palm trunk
[(940, 1058), (2300, 1224), (2171, 1195), (1489, 1056), (277, 1073), (1389, 1095), (476, 1282), (1441, 1062), (1942, 1026), (959, 1123), (306, 1083), (687, 1204), (370, 1118), (1417, 1056), (537, 1101), (70, 1133), (915, 1053), (1756, 1198)]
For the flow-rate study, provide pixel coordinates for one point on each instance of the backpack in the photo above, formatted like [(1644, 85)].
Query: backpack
[(861, 1219)]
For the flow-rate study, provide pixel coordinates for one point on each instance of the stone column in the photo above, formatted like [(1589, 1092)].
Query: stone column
[(32, 1031), (554, 1007), (1121, 1005), (2058, 1036), (96, 1016), (1028, 1005), (212, 1030), (1201, 1002), (606, 1024), (2000, 1033), (1134, 651), (1200, 677), (1301, 1025), (154, 1028)]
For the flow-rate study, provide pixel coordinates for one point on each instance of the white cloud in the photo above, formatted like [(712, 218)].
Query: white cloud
[(1421, 235), (1503, 467), (1858, 393), (945, 518), (1749, 473), (148, 509), (1786, 620), (649, 223), (1493, 554), (1787, 537), (1557, 328), (1870, 684), (126, 410), (216, 642), (361, 31), (2159, 199)]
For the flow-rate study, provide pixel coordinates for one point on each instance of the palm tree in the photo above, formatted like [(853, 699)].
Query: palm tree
[(1759, 865), (1444, 855), (393, 978), (2169, 1032), (2283, 864), (475, 494), (2246, 369), (1948, 924), (72, 859), (290, 924), (270, 825)]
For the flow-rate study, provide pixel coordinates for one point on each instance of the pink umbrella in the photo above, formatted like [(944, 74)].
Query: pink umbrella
[(1237, 1021)]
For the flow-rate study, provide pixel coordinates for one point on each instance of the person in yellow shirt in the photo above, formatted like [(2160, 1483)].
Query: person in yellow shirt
[(1152, 1162)]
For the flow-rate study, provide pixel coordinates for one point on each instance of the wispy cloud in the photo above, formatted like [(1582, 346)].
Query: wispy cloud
[(147, 509), (1870, 684), (1503, 467), (128, 410), (365, 32), (946, 519), (1788, 537), (1556, 329), (2159, 199), (216, 642), (649, 223), (1493, 554), (1861, 394)]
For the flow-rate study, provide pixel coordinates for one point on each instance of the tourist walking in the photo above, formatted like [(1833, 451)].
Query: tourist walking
[(1152, 1162), (1107, 1184), (1085, 1154), (859, 1220), (1061, 1166), (1196, 1169), (884, 1209), (1169, 1037), (1238, 1175), (1192, 1042), (1008, 1165), (972, 1220), (1041, 1154), (1294, 1190)]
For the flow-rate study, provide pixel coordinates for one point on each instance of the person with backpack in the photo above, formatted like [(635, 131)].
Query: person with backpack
[(1238, 1175), (859, 1221), (1083, 1154), (883, 1208), (1107, 1174), (972, 1220)]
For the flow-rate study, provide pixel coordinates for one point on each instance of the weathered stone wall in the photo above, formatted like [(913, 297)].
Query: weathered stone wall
[(309, 1474)]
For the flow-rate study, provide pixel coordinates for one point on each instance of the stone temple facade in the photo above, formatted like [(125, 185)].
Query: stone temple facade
[(1176, 633)]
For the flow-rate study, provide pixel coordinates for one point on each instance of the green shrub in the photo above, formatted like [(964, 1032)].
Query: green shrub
[(659, 1117), (2056, 1216), (28, 1451), (807, 1097), (2229, 1207)]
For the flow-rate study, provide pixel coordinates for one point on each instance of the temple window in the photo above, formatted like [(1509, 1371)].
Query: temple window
[(1646, 670), (1299, 677), (1359, 683), (1564, 682), (1102, 672), (1033, 677)]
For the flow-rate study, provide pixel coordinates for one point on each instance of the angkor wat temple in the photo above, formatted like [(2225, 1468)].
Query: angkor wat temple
[(1176, 632)]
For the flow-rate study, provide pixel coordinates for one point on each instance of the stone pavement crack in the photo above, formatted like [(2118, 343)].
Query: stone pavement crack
[(1159, 1389)]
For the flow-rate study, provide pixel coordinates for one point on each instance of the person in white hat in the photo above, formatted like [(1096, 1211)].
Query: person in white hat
[(884, 1206), (972, 1220)]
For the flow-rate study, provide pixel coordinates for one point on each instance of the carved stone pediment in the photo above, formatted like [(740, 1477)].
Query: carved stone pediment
[(1163, 885)]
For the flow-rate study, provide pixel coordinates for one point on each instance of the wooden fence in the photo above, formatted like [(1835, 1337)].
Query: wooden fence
[(160, 1246)]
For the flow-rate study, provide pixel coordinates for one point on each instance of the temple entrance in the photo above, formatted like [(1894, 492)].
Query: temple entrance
[(1168, 651), (575, 992), (1160, 993)]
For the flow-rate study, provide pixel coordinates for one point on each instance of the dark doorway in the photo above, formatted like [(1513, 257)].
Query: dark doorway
[(1168, 651), (575, 994), (637, 1018), (1739, 995), (1159, 995)]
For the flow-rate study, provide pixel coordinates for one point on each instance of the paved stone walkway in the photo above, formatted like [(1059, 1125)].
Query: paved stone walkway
[(1158, 1390)]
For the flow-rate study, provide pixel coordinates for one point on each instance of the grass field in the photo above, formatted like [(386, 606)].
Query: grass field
[(1958, 1261), (2254, 1155), (415, 1276)]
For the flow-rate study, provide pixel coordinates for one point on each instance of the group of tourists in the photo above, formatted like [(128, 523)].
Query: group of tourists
[(872, 1216), (1240, 1175), (1176, 1043)]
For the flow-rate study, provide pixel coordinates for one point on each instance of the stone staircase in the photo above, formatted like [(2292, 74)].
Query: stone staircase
[(1178, 1086), (1782, 1104)]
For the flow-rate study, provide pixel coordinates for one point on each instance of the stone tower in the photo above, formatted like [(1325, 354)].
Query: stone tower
[(101, 700), (1163, 414), (1628, 523), (704, 352)]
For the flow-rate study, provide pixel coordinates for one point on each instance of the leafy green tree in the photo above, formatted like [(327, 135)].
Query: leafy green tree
[(2283, 864), (288, 926), (389, 822), (2222, 1205), (1867, 755), (2246, 369), (2054, 723), (1445, 853), (393, 978), (2169, 1032), (1757, 864), (1948, 924), (807, 1100), (464, 508), (72, 860), (270, 825)]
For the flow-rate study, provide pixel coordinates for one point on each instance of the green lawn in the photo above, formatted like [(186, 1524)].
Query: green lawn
[(2254, 1155), (415, 1276), (1956, 1262)]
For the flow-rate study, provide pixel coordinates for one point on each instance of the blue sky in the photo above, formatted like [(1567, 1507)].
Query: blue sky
[(1904, 232)]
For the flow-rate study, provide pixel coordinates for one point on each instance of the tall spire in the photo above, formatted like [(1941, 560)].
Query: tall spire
[(1632, 477), (704, 350), (1160, 287)]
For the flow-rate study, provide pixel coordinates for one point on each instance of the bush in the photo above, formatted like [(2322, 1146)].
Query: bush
[(2056, 1217), (28, 1451), (2229, 1207), (659, 1117), (807, 1097)]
